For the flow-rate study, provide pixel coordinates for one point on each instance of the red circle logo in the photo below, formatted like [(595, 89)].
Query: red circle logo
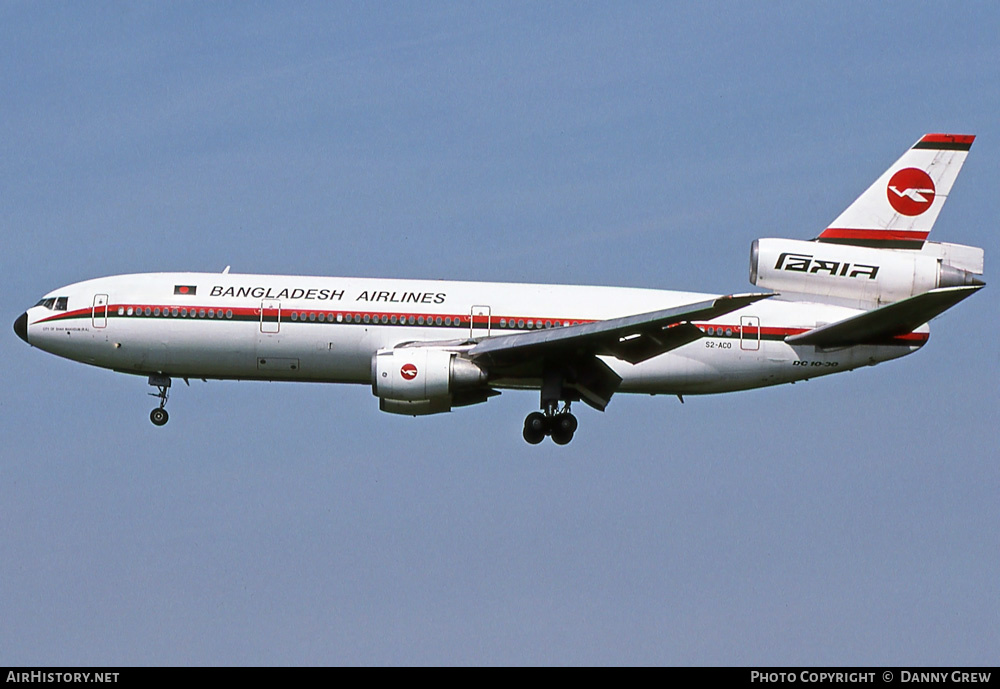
[(409, 371), (910, 191)]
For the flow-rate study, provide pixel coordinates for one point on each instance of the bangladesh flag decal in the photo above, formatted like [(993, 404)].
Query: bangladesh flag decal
[(188, 290)]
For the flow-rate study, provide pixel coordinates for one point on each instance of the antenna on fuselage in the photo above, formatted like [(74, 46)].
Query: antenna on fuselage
[(226, 271)]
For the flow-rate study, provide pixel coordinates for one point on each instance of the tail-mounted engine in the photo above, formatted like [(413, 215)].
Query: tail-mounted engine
[(425, 380), (855, 272)]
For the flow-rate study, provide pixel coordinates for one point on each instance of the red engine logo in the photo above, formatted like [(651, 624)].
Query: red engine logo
[(910, 191), (409, 371)]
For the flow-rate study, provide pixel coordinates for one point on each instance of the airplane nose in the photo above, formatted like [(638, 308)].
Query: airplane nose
[(21, 326)]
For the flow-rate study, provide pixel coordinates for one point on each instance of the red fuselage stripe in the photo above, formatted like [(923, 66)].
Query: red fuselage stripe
[(402, 319)]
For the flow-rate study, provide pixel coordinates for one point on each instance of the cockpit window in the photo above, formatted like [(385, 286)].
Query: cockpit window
[(53, 303)]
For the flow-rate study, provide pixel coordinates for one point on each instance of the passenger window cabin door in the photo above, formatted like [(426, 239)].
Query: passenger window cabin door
[(479, 322), (749, 333), (99, 315), (270, 316)]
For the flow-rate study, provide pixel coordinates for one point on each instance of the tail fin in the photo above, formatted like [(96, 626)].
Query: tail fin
[(899, 209)]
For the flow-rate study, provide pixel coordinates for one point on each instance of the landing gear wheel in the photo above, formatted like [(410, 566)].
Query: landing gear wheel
[(561, 438), (536, 427), (159, 415), (566, 423), (532, 437), (563, 427)]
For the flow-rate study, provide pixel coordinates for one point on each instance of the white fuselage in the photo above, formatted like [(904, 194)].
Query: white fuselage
[(322, 329)]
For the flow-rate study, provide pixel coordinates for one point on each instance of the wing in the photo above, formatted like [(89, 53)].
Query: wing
[(886, 322), (573, 351), (631, 338)]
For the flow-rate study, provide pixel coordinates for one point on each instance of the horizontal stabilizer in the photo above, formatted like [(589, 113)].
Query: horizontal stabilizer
[(886, 322)]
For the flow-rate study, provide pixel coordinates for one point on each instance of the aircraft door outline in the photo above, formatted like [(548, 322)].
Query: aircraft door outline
[(99, 313), (749, 333), (270, 317), (477, 327)]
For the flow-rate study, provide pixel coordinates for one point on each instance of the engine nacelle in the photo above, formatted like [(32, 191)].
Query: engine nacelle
[(852, 272), (424, 380)]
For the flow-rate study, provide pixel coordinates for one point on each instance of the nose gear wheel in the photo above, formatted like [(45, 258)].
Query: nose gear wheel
[(159, 415)]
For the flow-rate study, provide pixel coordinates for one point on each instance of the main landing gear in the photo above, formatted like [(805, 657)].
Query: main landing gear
[(560, 424), (159, 415)]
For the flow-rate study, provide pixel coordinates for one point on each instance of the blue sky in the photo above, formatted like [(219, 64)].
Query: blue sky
[(848, 520)]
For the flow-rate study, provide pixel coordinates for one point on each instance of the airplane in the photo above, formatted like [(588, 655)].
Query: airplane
[(858, 294)]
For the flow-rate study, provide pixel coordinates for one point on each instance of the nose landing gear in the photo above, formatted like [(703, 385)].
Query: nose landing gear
[(159, 415)]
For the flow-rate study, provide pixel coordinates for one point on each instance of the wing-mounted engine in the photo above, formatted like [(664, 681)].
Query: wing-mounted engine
[(865, 274), (426, 380)]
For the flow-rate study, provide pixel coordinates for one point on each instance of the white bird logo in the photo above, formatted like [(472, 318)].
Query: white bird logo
[(916, 195)]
